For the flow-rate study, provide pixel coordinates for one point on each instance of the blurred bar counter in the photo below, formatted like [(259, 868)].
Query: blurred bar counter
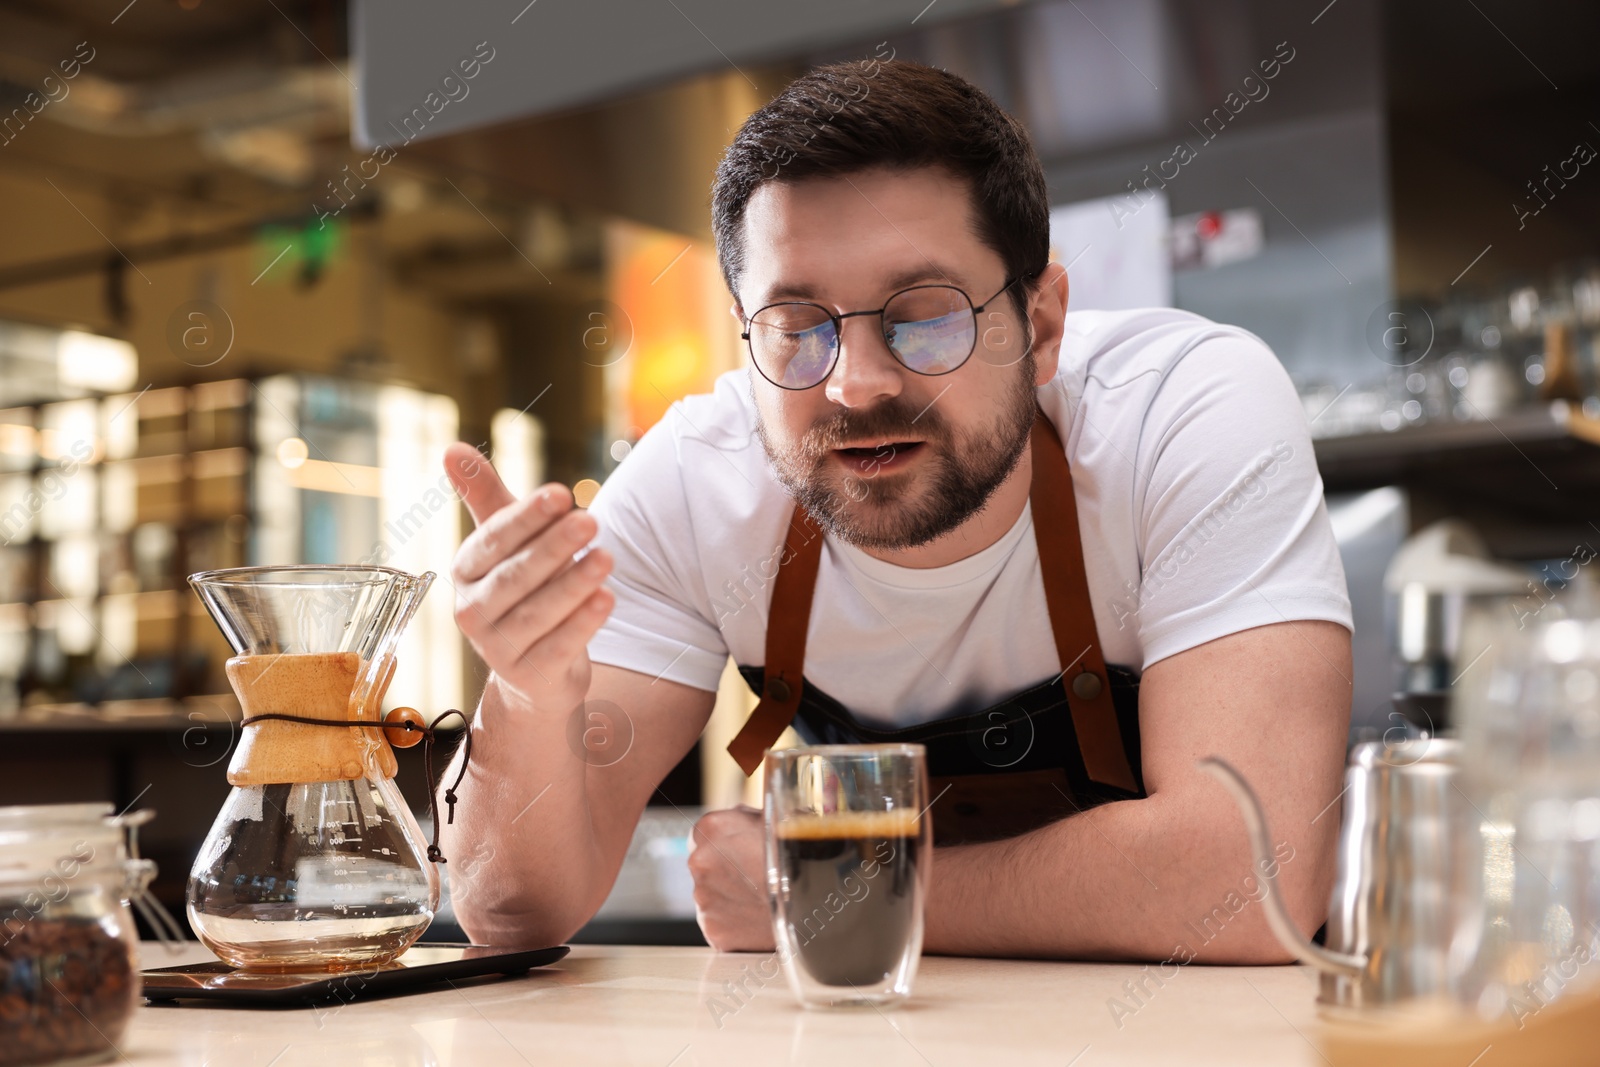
[(167, 755), (172, 756), (205, 713)]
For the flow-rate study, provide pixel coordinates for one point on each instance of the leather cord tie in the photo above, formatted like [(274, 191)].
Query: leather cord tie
[(429, 736)]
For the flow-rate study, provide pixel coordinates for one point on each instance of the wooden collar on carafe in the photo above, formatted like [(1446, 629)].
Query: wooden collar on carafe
[(1066, 590)]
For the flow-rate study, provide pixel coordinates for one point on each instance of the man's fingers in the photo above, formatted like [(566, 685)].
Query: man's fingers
[(568, 640), (476, 480), (517, 525), (539, 612), (554, 650), (525, 571)]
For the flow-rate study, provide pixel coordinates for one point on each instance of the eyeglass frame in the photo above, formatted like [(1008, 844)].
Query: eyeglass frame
[(838, 329)]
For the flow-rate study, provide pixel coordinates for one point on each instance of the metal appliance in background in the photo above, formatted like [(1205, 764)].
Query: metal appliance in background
[(1428, 585), (1369, 527), (1395, 911)]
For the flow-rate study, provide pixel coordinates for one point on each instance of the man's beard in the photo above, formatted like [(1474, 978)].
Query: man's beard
[(904, 509)]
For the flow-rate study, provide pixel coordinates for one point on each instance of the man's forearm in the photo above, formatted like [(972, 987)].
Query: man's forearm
[(1170, 876), (524, 862), (1161, 878)]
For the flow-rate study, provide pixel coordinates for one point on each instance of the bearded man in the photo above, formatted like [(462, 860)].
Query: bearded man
[(1069, 553)]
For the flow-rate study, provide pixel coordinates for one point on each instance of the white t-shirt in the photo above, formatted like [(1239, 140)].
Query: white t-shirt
[(1199, 503)]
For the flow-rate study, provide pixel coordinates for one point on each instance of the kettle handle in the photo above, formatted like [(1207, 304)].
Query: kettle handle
[(1283, 927)]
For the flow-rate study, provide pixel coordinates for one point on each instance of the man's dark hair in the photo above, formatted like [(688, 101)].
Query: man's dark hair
[(847, 117)]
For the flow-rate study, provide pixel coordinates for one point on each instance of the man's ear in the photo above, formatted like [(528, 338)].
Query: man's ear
[(737, 312), (1046, 315)]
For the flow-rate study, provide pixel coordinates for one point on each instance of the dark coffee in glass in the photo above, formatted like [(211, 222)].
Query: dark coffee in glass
[(852, 893), (848, 849)]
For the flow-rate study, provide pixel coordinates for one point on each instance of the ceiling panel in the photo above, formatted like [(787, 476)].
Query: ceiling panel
[(547, 55)]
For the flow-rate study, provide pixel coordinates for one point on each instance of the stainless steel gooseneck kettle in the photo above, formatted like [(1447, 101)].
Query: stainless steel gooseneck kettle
[(1392, 917)]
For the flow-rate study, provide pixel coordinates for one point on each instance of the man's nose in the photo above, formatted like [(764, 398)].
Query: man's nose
[(867, 371)]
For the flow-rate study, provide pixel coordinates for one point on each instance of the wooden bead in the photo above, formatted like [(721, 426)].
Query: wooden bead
[(405, 738)]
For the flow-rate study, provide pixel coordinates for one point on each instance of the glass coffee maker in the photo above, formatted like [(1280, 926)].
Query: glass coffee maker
[(315, 862)]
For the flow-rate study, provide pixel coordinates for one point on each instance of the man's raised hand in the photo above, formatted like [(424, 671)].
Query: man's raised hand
[(527, 608)]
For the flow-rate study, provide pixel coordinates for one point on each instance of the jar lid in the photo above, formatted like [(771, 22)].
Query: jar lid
[(38, 839), (29, 816)]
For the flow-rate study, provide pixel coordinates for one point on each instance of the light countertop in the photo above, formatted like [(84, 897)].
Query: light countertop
[(672, 1007)]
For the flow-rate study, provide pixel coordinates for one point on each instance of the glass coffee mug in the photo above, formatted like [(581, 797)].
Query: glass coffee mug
[(849, 848)]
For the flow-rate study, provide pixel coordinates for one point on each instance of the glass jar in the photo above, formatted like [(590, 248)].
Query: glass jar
[(69, 980)]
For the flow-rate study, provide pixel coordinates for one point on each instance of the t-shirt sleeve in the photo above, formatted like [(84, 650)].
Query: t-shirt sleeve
[(1233, 530), (662, 622)]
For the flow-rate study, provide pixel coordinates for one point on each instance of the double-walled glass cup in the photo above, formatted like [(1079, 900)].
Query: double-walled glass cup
[(849, 848)]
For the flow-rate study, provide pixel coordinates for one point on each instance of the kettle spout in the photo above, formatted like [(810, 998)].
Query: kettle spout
[(1283, 927)]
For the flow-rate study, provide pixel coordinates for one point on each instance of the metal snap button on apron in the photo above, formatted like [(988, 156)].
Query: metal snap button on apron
[(778, 690), (1086, 686)]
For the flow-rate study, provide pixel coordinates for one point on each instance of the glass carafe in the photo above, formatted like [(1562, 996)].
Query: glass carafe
[(1528, 712), (315, 861)]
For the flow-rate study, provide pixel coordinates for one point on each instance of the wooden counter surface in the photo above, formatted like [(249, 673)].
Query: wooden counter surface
[(677, 1007)]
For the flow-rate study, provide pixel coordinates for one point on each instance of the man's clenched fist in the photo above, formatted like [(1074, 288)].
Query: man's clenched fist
[(727, 856)]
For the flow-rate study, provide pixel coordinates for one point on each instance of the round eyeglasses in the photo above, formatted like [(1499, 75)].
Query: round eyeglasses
[(931, 329)]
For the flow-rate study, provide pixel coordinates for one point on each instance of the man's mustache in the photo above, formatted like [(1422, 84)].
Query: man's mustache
[(889, 421)]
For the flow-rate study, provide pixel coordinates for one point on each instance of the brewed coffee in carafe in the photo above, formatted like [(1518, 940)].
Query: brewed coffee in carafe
[(315, 861)]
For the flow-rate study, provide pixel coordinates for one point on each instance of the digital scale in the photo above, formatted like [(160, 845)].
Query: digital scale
[(420, 966)]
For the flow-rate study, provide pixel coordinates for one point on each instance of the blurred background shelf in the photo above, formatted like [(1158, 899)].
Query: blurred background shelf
[(1529, 479)]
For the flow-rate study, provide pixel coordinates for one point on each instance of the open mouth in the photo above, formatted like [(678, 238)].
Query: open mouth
[(882, 448), (881, 455)]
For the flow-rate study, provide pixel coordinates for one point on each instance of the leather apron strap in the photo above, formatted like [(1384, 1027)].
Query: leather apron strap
[(788, 618), (1066, 595), (1066, 587)]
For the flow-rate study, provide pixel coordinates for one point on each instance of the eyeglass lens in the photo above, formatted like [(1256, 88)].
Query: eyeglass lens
[(930, 329)]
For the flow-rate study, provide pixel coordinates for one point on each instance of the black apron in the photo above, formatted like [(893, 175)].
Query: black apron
[(1058, 747)]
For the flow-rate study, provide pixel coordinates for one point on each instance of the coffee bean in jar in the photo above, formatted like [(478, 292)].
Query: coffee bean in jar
[(66, 990), (69, 980)]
